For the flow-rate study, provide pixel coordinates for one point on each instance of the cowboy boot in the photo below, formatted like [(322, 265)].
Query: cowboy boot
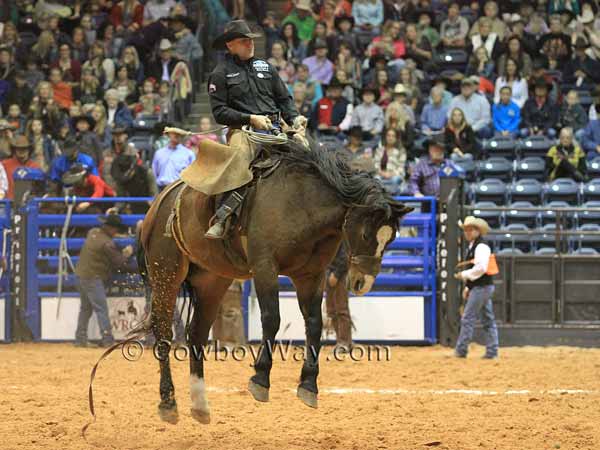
[(229, 206)]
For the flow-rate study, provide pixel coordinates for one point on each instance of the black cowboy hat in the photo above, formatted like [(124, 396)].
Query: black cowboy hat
[(234, 30), (90, 121), (581, 43), (74, 175), (71, 145), (319, 43), (113, 220), (340, 19)]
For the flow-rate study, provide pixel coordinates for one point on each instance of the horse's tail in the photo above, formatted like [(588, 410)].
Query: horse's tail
[(136, 334)]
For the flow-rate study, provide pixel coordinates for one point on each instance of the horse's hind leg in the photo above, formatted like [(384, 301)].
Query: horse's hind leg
[(209, 290), (167, 270)]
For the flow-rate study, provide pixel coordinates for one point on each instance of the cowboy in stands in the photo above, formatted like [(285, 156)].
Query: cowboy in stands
[(478, 290), (245, 90)]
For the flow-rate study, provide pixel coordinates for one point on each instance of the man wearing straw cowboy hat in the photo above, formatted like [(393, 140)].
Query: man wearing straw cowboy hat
[(243, 90), (481, 266)]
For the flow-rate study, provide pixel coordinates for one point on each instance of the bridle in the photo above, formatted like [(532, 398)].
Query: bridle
[(367, 264)]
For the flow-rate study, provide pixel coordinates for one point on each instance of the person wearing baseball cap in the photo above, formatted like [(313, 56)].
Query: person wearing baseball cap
[(479, 268), (476, 108)]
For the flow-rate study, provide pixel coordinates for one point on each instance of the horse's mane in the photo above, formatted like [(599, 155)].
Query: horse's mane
[(353, 187)]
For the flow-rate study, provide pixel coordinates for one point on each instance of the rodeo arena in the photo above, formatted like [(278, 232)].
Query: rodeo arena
[(350, 225)]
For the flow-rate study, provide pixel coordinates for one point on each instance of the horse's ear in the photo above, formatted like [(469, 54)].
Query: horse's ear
[(399, 210)]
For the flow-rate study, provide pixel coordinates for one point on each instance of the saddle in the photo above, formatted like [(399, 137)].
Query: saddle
[(263, 166)]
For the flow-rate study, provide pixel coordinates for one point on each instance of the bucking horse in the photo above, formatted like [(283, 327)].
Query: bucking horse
[(295, 216)]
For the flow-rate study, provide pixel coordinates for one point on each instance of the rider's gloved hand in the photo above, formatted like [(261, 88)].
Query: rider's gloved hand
[(300, 123), (260, 122)]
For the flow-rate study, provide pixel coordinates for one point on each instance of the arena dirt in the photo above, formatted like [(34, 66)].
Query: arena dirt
[(421, 399)]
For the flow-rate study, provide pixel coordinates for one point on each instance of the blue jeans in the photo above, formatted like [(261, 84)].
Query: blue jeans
[(479, 304), (486, 132), (93, 298)]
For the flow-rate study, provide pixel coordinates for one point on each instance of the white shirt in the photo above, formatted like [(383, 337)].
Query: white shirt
[(480, 263), (111, 115), (165, 74)]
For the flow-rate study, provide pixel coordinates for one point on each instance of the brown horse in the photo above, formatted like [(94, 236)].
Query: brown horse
[(292, 224)]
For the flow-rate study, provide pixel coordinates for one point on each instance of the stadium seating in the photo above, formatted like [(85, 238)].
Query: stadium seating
[(496, 167), (591, 190), (590, 241), (549, 216), (586, 217), (533, 167), (529, 218), (492, 189), (562, 189), (452, 59), (593, 168), (527, 190), (493, 218), (535, 146), (547, 237), (504, 146), (511, 240)]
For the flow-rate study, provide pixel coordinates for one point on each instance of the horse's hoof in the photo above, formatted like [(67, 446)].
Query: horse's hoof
[(201, 416), (260, 393), (169, 415), (308, 398)]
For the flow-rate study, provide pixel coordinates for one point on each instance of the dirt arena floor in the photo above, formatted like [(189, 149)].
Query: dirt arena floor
[(530, 398)]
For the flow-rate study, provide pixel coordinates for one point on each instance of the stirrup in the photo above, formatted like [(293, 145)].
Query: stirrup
[(218, 229)]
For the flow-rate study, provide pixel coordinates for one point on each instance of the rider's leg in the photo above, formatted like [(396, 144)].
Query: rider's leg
[(229, 205)]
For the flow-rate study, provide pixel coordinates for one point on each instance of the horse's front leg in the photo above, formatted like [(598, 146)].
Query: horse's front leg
[(267, 290), (310, 297)]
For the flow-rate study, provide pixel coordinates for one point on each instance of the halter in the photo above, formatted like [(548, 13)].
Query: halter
[(367, 264)]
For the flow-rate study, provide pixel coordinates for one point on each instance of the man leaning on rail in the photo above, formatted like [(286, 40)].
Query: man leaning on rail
[(243, 90)]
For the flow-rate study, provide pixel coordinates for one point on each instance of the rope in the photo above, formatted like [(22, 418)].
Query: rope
[(63, 252), (261, 138)]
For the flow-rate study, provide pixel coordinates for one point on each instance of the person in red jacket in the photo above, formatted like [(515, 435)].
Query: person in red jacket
[(85, 184), (21, 153)]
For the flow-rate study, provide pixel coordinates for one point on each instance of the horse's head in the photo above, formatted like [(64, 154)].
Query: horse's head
[(368, 230)]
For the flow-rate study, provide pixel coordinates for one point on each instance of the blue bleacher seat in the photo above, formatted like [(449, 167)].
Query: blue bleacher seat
[(531, 167), (452, 59), (527, 190), (547, 239), (493, 218), (585, 98), (535, 146), (546, 251), (583, 240), (549, 216), (523, 242), (586, 251), (504, 146), (509, 252), (562, 189), (591, 190), (528, 218), (144, 145), (496, 167), (593, 168), (492, 189), (587, 216), (466, 163)]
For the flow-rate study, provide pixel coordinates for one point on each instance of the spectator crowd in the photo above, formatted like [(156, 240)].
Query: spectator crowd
[(80, 80), (403, 85), (396, 81)]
